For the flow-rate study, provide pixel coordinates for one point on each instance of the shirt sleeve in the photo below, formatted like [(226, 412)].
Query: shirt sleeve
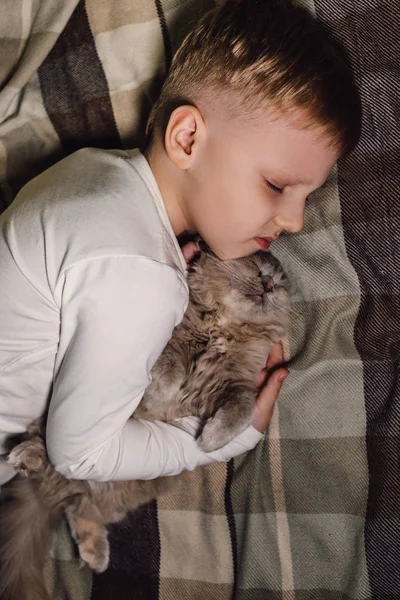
[(171, 450), (117, 315)]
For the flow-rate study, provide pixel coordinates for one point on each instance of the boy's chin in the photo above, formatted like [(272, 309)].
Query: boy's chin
[(230, 251), (243, 250), (232, 254)]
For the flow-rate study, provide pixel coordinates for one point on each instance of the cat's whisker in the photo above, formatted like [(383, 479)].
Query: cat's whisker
[(278, 307), (292, 310), (287, 309)]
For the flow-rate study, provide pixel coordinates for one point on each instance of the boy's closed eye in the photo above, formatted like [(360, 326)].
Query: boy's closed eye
[(275, 188)]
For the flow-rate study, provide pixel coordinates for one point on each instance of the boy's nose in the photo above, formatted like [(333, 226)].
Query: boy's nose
[(296, 224), (290, 223), (291, 218)]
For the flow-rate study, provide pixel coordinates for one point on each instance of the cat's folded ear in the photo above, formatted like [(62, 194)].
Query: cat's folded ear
[(204, 248), (191, 237), (202, 245), (194, 249), (202, 251)]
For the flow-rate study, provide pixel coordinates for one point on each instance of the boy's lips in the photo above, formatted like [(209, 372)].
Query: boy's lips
[(264, 242)]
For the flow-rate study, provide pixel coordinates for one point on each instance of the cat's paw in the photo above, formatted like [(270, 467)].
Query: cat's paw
[(95, 552), (28, 457), (230, 420), (214, 436), (91, 539)]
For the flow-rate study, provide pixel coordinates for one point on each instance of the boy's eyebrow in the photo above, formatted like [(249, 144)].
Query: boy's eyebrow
[(290, 179)]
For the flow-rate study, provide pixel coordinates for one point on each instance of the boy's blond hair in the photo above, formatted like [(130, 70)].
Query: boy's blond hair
[(264, 54)]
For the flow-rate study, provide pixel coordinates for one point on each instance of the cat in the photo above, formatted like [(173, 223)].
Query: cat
[(237, 310)]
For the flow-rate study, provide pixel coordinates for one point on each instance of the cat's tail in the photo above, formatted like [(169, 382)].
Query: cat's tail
[(26, 527)]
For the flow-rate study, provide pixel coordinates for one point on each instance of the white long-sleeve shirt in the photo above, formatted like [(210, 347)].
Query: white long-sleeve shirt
[(92, 284)]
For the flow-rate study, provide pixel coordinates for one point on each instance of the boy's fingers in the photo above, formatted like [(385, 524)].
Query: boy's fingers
[(267, 398), (261, 377), (275, 357)]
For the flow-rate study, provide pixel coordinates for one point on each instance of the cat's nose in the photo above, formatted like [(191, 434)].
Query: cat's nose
[(268, 284)]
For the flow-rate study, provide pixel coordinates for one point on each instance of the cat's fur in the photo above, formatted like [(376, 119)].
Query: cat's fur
[(237, 310)]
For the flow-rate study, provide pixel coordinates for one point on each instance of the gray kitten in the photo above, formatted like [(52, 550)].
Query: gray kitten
[(237, 310)]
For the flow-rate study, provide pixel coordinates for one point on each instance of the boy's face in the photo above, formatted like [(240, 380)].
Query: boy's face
[(230, 198)]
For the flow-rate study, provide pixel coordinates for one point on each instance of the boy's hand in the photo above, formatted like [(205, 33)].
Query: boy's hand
[(270, 386)]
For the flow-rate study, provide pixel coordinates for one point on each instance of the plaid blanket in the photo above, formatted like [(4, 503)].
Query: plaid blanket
[(312, 513)]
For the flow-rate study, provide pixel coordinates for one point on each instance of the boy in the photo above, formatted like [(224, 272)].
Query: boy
[(256, 109)]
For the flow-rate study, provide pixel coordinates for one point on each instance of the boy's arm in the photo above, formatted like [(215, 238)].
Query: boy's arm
[(149, 449), (117, 315)]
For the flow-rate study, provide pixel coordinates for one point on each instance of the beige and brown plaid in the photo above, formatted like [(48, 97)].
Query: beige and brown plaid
[(312, 513)]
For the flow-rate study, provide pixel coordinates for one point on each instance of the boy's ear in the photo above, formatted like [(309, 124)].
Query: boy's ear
[(184, 134)]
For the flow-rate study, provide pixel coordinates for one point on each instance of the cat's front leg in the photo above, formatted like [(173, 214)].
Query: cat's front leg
[(234, 416)]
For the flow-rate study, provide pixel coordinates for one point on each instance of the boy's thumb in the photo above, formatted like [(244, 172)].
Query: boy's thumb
[(267, 398)]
